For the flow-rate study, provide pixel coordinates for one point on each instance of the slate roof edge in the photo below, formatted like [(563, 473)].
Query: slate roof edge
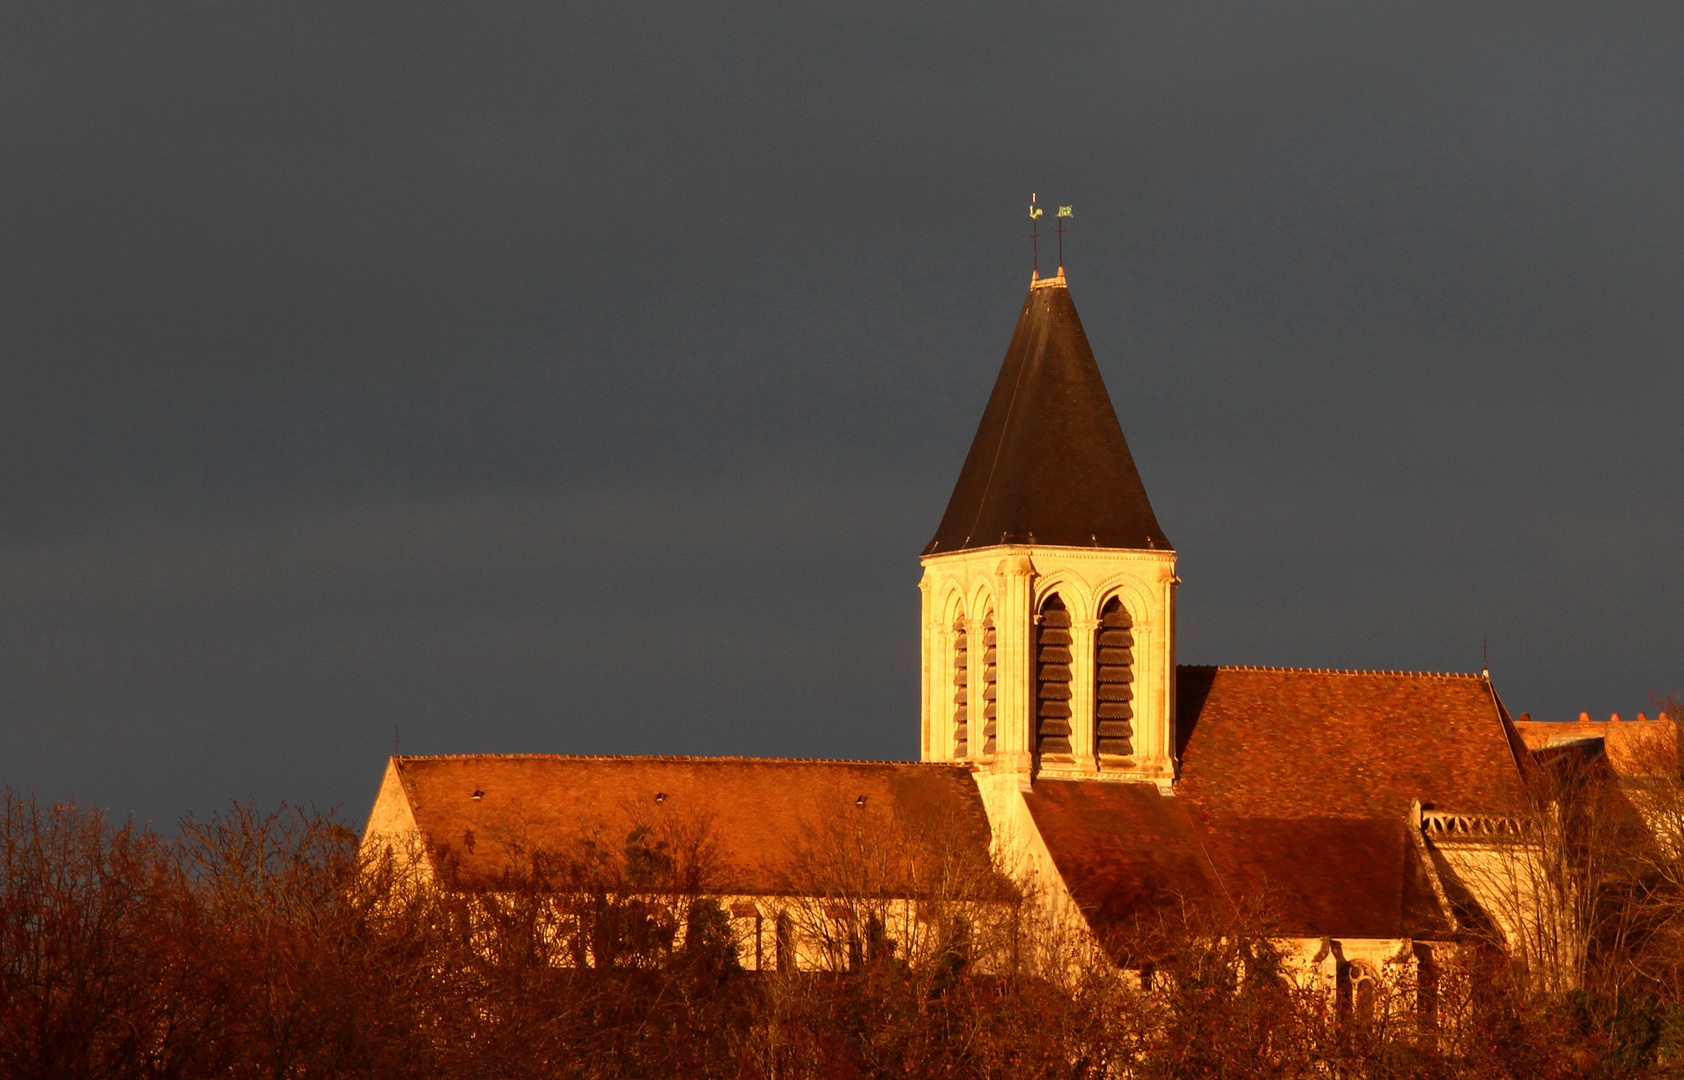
[(1331, 671), (1030, 545), (1522, 757)]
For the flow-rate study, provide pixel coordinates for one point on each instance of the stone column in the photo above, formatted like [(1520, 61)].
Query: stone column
[(1014, 631), (1170, 582), (941, 693), (1155, 684), (928, 623), (1082, 632)]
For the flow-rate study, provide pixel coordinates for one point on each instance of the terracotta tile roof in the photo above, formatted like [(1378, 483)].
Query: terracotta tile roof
[(1296, 785), (489, 812), (1122, 847), (1049, 464), (1290, 742), (1123, 850)]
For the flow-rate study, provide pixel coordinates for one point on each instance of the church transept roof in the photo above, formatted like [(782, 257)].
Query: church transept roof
[(1296, 787)]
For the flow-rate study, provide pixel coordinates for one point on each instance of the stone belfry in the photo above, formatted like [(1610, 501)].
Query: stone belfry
[(1049, 589)]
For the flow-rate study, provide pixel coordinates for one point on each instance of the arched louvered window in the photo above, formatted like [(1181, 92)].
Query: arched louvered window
[(988, 726), (1114, 681), (961, 690), (1052, 679)]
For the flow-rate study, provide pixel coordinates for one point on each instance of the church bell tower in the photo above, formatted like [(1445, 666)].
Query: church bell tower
[(1049, 589)]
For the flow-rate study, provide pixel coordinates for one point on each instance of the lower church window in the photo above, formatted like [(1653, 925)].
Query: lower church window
[(1052, 679), (1114, 682)]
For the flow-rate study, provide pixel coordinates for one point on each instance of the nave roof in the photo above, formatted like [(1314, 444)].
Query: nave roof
[(768, 823)]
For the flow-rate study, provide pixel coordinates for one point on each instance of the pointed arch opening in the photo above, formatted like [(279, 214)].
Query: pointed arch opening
[(1052, 679), (988, 717), (961, 689), (1114, 681)]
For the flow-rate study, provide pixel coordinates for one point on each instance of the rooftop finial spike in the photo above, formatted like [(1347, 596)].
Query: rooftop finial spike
[(1034, 239), (1063, 212)]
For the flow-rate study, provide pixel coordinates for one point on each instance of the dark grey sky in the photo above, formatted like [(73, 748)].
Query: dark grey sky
[(586, 378)]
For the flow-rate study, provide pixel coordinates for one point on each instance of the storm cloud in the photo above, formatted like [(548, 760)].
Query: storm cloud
[(586, 378)]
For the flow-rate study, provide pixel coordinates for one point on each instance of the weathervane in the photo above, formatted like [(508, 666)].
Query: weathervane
[(1034, 237), (1063, 212)]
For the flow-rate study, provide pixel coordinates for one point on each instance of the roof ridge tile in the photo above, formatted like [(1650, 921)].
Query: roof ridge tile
[(674, 758), (1332, 671)]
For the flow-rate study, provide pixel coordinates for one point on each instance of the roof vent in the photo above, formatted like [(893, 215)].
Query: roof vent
[(860, 801), (660, 796), (478, 795)]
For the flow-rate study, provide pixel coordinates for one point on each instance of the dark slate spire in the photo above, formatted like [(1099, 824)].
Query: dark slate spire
[(1049, 464)]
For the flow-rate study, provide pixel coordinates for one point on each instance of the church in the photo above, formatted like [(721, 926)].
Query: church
[(1058, 732)]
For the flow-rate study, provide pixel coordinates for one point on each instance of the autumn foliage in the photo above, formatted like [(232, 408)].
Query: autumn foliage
[(267, 945)]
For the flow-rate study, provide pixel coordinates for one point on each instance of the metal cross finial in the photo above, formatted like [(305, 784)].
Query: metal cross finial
[(1034, 237), (1063, 212)]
